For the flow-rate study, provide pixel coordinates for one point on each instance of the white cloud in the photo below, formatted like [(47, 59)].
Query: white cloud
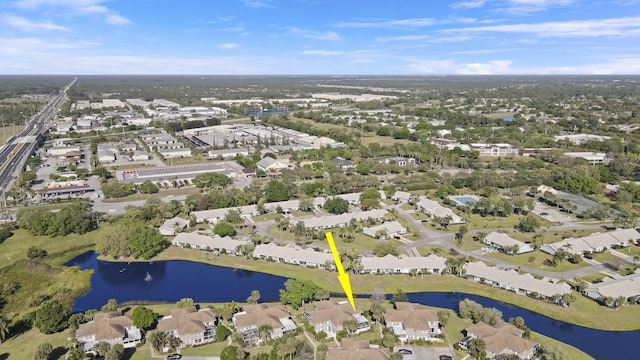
[(77, 7), (228, 46), (321, 52), (452, 67), (376, 24), (526, 7), (29, 46), (472, 4), (258, 3), (27, 25), (626, 26), (316, 35), (115, 19)]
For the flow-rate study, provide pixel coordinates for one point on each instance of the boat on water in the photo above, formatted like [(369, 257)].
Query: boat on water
[(123, 269), (148, 277)]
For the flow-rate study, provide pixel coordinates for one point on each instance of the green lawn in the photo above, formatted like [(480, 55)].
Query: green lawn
[(214, 349), (428, 250), (538, 262), (160, 195), (604, 257), (23, 347), (407, 207), (554, 235), (419, 215), (302, 213), (594, 278), (266, 217)]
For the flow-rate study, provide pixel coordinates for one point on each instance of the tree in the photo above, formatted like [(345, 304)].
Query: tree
[(377, 311), (384, 248), (111, 305), (43, 351), (276, 191), (5, 233), (115, 352), (336, 205), (143, 318), (157, 339), (4, 328), (443, 317), (378, 295), (50, 317), (254, 297), (212, 179), (264, 332), (221, 332), (297, 292), (399, 296), (148, 187), (528, 224), (224, 228), (35, 253), (146, 242), (185, 303), (477, 348)]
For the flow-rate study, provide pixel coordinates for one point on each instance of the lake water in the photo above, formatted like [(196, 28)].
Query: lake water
[(169, 281)]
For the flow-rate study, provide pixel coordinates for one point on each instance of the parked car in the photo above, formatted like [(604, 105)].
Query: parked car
[(174, 357), (445, 357), (397, 237), (405, 352)]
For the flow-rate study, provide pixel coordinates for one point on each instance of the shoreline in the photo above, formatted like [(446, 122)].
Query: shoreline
[(584, 312)]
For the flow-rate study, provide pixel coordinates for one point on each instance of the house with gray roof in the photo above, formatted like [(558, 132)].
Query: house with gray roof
[(387, 229), (173, 225), (210, 243), (504, 242), (626, 286), (193, 327), (331, 221), (434, 209), (401, 196), (596, 242), (110, 327), (513, 281), (292, 254), (252, 317), (389, 264)]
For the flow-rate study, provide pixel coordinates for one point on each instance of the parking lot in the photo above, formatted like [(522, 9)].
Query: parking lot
[(425, 353)]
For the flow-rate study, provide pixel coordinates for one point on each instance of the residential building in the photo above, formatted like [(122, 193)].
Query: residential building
[(580, 138), (253, 317), (173, 225), (401, 196), (210, 243), (330, 315), (503, 338), (626, 286), (357, 349), (506, 243), (107, 153), (193, 327), (397, 160), (227, 153), (292, 254), (271, 165), (596, 242), (331, 221), (389, 264), (111, 327), (412, 322), (592, 157), (140, 156), (342, 163), (385, 230), (494, 150), (513, 281), (434, 209)]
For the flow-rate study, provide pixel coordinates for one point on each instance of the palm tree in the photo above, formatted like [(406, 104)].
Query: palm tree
[(4, 328), (264, 332)]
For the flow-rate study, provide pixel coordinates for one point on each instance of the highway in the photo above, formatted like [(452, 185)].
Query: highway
[(17, 150)]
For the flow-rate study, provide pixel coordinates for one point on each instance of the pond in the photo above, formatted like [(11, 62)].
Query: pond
[(169, 281)]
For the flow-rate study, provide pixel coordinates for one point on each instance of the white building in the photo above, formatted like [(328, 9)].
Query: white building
[(434, 209), (592, 157), (387, 229), (504, 242)]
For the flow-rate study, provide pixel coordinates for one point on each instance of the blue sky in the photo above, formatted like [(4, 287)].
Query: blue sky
[(402, 37)]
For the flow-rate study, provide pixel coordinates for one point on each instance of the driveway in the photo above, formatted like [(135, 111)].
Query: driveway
[(425, 353)]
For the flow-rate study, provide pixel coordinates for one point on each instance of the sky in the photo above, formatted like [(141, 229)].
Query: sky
[(295, 37)]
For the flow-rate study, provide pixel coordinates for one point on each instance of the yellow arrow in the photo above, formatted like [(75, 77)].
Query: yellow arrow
[(343, 277)]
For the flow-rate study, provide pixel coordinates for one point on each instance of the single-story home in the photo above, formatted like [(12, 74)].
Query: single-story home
[(292, 254), (209, 243), (387, 229), (169, 227), (434, 209), (390, 264), (504, 242)]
